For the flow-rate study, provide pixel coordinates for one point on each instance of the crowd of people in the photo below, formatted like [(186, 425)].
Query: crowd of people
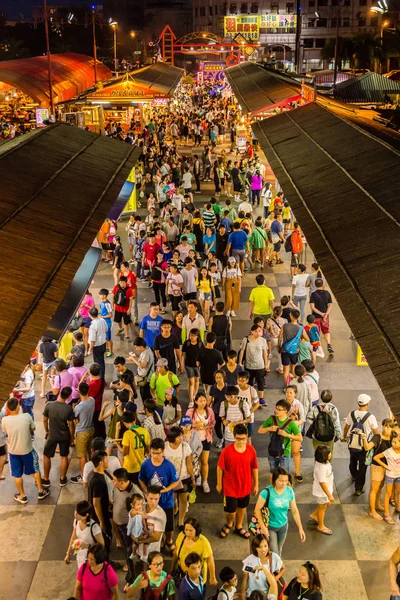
[(144, 452)]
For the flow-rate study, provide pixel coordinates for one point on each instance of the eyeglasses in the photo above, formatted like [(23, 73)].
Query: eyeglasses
[(156, 453), (159, 564)]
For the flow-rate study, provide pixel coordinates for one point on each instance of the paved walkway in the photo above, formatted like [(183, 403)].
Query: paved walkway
[(352, 562)]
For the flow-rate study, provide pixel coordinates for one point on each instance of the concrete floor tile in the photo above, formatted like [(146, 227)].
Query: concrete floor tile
[(23, 531), (377, 586), (58, 533), (16, 578), (344, 485), (372, 540), (53, 580)]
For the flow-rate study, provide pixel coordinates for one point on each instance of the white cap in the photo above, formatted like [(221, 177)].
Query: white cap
[(363, 399)]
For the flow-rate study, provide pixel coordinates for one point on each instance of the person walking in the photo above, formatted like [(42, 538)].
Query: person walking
[(89, 584), (289, 338), (84, 430), (97, 337), (299, 290), (322, 487), (325, 429), (221, 325), (253, 357), (85, 533), (237, 479), (261, 300), (192, 540), (58, 419), (232, 285), (192, 586), (134, 446), (321, 306)]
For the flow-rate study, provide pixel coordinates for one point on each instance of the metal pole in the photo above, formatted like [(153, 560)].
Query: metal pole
[(49, 70), (336, 57), (284, 57), (115, 48), (94, 46), (298, 33)]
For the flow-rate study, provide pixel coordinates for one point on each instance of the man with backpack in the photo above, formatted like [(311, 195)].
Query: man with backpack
[(357, 423), (233, 412), (288, 343), (122, 298), (325, 429), (283, 431)]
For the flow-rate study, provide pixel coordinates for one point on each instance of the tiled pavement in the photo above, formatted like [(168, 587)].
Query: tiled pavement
[(352, 562)]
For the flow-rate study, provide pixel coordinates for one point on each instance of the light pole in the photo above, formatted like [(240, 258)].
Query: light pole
[(381, 9), (114, 24), (94, 44), (336, 56), (49, 69)]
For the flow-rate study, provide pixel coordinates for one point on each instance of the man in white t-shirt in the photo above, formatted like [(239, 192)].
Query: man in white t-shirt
[(177, 200), (233, 412), (246, 207), (180, 454), (357, 466), (187, 180), (247, 393), (299, 290)]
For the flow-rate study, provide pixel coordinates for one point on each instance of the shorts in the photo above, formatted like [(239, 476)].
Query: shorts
[(257, 375), (108, 332), (48, 366), (169, 525), (122, 316), (86, 322), (83, 442), (190, 296), (231, 504), (321, 499), (377, 473), (175, 301), (104, 246), (294, 261), (250, 429), (205, 296), (391, 480), (3, 451), (277, 246), (239, 255), (289, 359), (192, 372), (323, 326), (51, 445), (187, 486), (275, 463), (285, 220), (206, 445), (21, 464)]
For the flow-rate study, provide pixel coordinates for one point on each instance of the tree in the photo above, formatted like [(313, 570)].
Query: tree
[(367, 47), (345, 51), (12, 48)]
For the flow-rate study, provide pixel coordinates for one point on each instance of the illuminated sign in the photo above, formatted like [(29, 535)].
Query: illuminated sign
[(125, 90), (277, 21), (247, 25), (42, 114), (213, 67)]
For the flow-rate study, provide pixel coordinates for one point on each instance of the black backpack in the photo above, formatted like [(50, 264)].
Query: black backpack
[(120, 297), (276, 446), (288, 244), (324, 429)]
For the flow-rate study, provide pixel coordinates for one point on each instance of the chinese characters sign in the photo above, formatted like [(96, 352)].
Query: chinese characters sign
[(247, 25), (277, 21)]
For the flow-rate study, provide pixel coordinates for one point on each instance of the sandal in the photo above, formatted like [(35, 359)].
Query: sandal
[(225, 531), (325, 531), (376, 516), (242, 533), (170, 546), (388, 519)]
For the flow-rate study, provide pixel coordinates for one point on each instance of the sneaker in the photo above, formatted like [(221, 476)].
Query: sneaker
[(21, 500), (43, 495), (263, 403), (219, 444), (359, 492), (109, 354), (77, 479), (206, 487), (149, 285), (46, 483), (299, 478), (198, 480), (233, 314), (228, 313), (127, 338), (330, 349), (63, 482)]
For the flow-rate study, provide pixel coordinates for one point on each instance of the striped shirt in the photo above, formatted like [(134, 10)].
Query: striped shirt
[(209, 218)]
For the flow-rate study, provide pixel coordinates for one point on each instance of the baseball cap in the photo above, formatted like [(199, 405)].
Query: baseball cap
[(232, 259), (363, 399), (170, 391), (162, 362), (185, 420)]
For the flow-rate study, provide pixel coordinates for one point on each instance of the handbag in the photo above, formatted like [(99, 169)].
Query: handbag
[(178, 573), (141, 380), (280, 582), (291, 345), (254, 526), (77, 322)]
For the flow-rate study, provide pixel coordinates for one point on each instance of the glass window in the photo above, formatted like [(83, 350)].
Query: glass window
[(374, 21), (334, 2), (347, 2), (202, 11), (233, 9), (322, 22), (322, 2), (320, 42), (195, 12), (290, 8), (308, 43), (274, 8), (334, 22), (243, 8), (311, 3), (254, 8), (362, 21), (346, 22), (311, 23), (210, 12), (362, 2)]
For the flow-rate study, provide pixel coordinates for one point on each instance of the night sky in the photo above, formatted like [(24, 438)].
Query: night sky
[(13, 7)]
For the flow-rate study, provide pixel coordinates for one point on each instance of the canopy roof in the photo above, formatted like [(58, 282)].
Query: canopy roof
[(58, 185), (256, 88), (72, 74), (345, 205), (370, 87)]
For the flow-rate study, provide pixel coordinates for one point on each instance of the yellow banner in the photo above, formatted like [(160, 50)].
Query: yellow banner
[(247, 25), (361, 360)]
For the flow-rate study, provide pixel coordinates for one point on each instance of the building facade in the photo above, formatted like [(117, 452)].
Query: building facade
[(272, 24)]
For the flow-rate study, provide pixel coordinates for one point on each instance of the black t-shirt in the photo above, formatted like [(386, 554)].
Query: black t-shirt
[(192, 352), (59, 415), (78, 349), (166, 348), (209, 360), (119, 255), (320, 299), (380, 445), (97, 488), (286, 313), (222, 241), (219, 397), (231, 377), (295, 591), (48, 349)]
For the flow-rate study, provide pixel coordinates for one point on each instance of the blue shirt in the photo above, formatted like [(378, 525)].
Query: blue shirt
[(189, 590), (226, 223), (208, 239), (161, 476), (276, 227), (237, 239), (106, 309), (151, 328), (278, 505)]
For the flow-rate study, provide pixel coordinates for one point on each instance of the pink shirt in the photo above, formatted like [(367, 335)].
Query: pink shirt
[(205, 434), (83, 310), (77, 374), (96, 587)]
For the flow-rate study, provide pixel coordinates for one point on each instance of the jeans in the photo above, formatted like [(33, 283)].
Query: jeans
[(255, 195), (126, 543), (283, 461), (300, 301), (27, 405), (358, 468), (277, 537), (197, 179)]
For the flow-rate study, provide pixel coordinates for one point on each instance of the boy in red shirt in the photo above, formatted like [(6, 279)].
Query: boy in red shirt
[(237, 478), (122, 304), (149, 256), (131, 281)]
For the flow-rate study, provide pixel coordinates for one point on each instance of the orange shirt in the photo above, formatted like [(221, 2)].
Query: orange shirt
[(103, 233)]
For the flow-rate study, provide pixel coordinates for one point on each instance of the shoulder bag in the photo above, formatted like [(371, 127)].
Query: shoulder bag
[(254, 526)]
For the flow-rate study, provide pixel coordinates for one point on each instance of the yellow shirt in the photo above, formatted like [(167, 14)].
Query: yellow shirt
[(136, 439), (65, 347), (286, 212), (202, 547), (204, 285), (261, 296)]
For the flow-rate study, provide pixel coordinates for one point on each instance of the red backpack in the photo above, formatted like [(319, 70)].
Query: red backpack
[(158, 593)]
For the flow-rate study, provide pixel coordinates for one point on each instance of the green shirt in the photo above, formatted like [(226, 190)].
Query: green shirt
[(216, 208), (161, 383), (155, 584), (292, 429)]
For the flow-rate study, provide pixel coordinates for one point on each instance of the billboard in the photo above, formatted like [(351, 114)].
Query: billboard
[(247, 25), (278, 21)]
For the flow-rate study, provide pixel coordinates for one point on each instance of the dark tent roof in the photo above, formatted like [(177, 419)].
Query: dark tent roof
[(72, 74), (370, 87), (160, 76), (256, 88), (57, 187), (341, 183)]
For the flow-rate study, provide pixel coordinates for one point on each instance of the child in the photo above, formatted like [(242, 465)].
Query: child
[(286, 216), (106, 314), (313, 332), (233, 412), (151, 202), (229, 582), (312, 376), (232, 369), (216, 277), (137, 524), (248, 393), (392, 476), (172, 411), (323, 487)]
